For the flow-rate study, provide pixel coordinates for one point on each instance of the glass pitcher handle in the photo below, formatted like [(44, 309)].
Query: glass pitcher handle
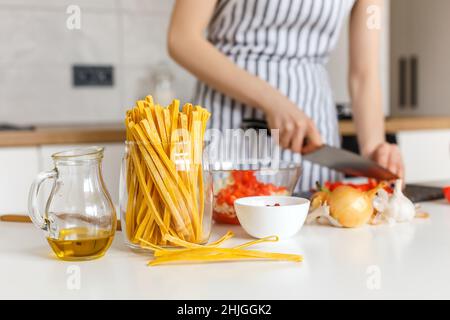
[(33, 203)]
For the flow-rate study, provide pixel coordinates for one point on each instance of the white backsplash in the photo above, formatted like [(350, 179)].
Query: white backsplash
[(38, 51)]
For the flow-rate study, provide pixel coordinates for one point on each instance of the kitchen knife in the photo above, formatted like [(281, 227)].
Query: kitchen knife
[(340, 160), (349, 163)]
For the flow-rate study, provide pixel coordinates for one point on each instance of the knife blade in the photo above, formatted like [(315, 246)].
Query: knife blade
[(349, 163)]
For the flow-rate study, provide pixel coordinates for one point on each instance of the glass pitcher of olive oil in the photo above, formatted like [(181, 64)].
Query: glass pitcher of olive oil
[(79, 217)]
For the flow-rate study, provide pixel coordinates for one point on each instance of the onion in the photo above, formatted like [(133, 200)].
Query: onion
[(350, 207)]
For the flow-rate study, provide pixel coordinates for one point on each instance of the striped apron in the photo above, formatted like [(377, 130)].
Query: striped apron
[(286, 43)]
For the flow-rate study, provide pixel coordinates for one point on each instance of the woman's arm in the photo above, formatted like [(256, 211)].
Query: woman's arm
[(187, 45), (365, 88)]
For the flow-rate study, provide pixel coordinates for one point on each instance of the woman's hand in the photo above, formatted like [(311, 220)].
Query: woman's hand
[(297, 131), (388, 156)]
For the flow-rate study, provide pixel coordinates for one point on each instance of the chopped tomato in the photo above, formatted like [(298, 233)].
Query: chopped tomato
[(244, 184), (225, 218), (447, 193), (371, 184)]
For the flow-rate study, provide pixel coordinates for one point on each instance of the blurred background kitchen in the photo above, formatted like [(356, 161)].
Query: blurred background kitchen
[(62, 86)]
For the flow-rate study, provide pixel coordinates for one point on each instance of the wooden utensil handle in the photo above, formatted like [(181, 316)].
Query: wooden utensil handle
[(15, 218), (26, 219)]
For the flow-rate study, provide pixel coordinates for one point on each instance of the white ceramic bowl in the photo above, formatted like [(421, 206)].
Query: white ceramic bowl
[(260, 218)]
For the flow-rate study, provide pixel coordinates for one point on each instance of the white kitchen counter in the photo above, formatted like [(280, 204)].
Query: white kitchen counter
[(404, 261)]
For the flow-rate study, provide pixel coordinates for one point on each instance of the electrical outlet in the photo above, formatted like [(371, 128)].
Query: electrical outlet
[(92, 76)]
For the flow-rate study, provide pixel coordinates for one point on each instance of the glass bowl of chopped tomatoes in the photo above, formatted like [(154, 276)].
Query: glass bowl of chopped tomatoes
[(234, 182)]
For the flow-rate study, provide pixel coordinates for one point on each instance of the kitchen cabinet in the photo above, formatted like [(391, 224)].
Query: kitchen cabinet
[(420, 71), (18, 168), (111, 163), (426, 154)]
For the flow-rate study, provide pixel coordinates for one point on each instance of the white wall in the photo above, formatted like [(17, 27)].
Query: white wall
[(37, 51)]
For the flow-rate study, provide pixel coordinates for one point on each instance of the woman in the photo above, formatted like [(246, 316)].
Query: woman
[(266, 59)]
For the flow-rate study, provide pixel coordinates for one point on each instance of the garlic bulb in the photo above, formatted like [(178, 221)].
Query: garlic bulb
[(396, 208)]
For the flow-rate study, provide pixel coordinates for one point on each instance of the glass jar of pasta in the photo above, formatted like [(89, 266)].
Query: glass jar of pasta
[(166, 184)]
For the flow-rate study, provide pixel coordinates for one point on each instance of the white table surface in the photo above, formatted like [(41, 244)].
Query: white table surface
[(404, 261)]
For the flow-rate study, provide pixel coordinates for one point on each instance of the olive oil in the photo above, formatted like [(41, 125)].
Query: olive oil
[(81, 243)]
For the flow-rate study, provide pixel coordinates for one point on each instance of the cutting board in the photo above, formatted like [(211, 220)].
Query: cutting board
[(416, 193)]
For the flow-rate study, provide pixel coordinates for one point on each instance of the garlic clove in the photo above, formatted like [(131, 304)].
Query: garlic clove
[(315, 214), (381, 200), (400, 208), (322, 216)]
